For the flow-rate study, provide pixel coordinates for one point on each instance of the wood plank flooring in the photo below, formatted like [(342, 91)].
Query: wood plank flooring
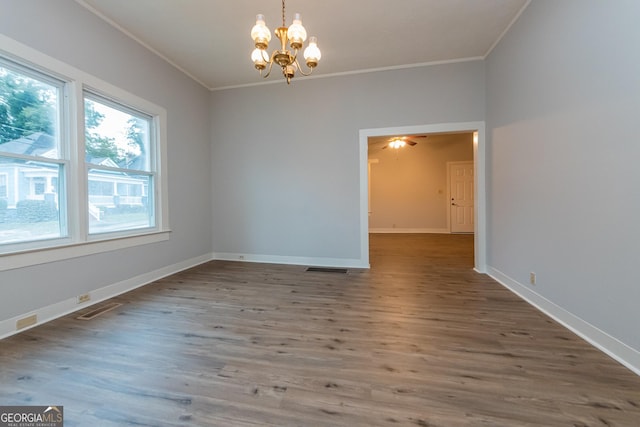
[(420, 339)]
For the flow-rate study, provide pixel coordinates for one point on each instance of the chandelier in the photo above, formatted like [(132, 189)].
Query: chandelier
[(288, 61)]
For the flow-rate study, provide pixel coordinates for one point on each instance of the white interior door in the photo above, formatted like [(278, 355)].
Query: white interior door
[(461, 197)]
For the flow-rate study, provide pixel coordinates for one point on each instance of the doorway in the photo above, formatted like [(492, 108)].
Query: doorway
[(479, 214)]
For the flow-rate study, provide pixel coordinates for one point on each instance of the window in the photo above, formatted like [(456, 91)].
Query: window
[(117, 149), (64, 194), (31, 156)]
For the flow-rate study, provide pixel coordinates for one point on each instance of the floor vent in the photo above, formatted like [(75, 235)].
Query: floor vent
[(98, 311), (328, 270)]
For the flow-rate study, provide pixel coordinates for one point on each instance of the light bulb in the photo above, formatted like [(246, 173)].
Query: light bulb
[(312, 53), (296, 33), (259, 58), (260, 33), (397, 143)]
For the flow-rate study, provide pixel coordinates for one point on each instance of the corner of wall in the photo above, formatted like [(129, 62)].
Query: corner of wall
[(609, 345)]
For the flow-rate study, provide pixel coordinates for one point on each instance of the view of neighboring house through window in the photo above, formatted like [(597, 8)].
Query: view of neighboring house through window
[(81, 162), (32, 164), (120, 171), (4, 178)]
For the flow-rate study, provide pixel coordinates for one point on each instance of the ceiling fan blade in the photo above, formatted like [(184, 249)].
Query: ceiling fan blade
[(410, 142)]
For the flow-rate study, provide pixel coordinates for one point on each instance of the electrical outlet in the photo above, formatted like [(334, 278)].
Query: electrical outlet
[(83, 298), (532, 278), (241, 257), (27, 321)]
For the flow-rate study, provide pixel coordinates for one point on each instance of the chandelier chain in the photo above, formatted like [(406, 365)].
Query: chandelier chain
[(283, 21)]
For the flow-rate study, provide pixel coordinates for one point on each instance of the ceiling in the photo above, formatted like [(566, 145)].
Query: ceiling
[(376, 143), (209, 39)]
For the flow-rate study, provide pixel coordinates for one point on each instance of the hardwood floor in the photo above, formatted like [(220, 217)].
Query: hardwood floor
[(420, 339)]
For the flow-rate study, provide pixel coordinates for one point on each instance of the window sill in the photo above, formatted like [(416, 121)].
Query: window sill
[(59, 253)]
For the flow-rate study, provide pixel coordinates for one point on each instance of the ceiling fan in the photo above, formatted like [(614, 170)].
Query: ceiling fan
[(401, 141)]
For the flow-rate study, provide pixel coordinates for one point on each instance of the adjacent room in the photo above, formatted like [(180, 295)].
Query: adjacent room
[(408, 213)]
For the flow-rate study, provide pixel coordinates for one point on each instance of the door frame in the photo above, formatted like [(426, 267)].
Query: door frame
[(449, 165), (479, 170)]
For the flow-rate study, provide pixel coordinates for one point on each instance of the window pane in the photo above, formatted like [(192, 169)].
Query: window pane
[(119, 201), (29, 201), (116, 137), (29, 111)]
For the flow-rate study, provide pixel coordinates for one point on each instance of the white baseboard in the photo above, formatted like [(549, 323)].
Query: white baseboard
[(289, 260), (409, 230), (613, 347), (67, 306), (64, 307)]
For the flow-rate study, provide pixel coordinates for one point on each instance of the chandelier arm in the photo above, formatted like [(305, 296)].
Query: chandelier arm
[(301, 70), (270, 68)]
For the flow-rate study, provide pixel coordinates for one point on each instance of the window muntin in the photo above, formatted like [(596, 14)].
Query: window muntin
[(32, 166), (120, 175)]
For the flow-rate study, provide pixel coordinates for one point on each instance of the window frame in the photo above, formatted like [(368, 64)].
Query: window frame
[(152, 172), (78, 241), (62, 147)]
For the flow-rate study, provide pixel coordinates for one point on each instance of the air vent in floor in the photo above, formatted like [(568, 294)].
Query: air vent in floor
[(98, 311), (328, 270)]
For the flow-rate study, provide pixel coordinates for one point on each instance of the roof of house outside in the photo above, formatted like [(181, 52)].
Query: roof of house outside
[(41, 144), (36, 144)]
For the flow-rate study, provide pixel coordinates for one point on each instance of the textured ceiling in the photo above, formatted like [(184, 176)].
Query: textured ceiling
[(209, 39)]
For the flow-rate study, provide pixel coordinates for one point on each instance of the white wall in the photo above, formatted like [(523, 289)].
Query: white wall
[(563, 103), (69, 33), (409, 185), (286, 158)]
